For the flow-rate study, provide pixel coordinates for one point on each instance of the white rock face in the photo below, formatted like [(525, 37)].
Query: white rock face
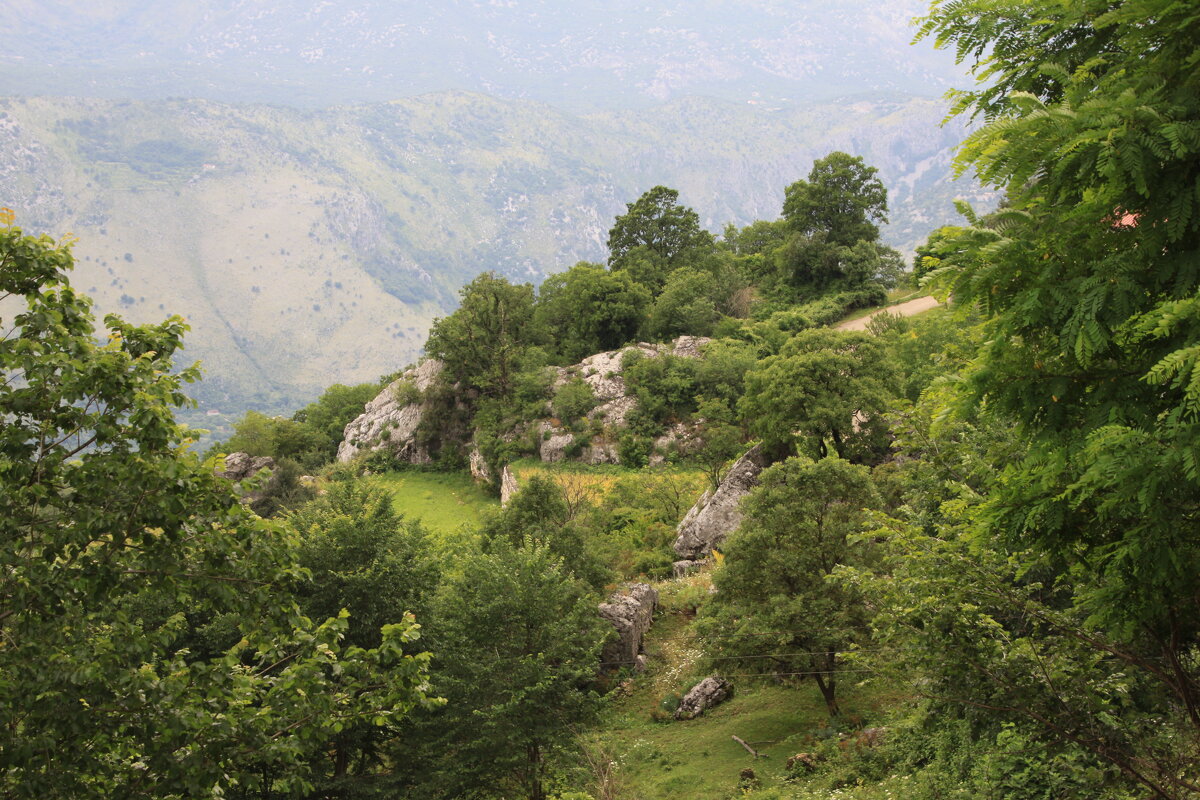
[(717, 514), (388, 422), (508, 485)]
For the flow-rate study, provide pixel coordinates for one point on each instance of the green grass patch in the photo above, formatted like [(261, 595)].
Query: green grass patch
[(699, 759), (448, 503)]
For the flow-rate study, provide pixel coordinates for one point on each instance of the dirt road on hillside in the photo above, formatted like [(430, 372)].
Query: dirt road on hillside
[(904, 310)]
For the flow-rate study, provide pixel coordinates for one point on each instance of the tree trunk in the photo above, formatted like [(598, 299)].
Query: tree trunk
[(341, 760), (827, 683), (536, 792)]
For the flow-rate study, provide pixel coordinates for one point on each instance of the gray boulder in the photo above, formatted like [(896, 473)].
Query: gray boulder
[(390, 420), (240, 466), (717, 514), (631, 613), (703, 696)]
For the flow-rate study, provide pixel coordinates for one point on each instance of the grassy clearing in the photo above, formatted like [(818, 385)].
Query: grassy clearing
[(446, 502), (699, 759), (603, 478)]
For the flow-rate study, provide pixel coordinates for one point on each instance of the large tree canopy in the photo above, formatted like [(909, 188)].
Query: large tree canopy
[(118, 540), (841, 199), (658, 223)]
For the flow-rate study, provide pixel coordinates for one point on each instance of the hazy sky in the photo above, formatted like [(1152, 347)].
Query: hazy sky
[(580, 54)]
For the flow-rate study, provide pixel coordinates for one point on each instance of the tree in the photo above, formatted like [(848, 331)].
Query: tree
[(541, 513), (1090, 279), (657, 223), (1090, 283), (481, 344), (361, 556), (774, 603), (588, 309), (825, 386), (328, 415), (842, 199), (685, 306), (519, 642), (105, 507)]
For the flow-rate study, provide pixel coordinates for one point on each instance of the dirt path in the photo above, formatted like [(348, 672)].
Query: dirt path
[(904, 310)]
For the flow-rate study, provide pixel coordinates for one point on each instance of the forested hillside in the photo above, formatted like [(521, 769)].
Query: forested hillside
[(314, 247), (661, 525)]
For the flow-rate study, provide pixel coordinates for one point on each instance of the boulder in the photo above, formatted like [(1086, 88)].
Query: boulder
[(631, 613), (554, 445), (703, 696), (717, 514), (391, 420), (240, 466)]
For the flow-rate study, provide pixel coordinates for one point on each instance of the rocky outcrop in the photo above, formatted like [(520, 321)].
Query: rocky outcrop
[(717, 514), (391, 419), (508, 485), (480, 470), (631, 613), (603, 374), (703, 696), (240, 466)]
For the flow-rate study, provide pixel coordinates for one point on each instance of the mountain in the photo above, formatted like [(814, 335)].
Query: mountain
[(312, 247), (583, 55)]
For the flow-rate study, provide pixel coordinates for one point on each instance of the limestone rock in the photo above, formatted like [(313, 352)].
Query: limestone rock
[(508, 485), (631, 613), (479, 468), (240, 466), (554, 447), (703, 696), (600, 452), (390, 420), (717, 514)]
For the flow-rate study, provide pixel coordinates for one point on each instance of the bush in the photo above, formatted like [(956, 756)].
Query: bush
[(406, 393), (573, 400), (634, 450)]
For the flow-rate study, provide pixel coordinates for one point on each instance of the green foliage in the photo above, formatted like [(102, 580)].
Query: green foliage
[(573, 400), (361, 556), (588, 309), (540, 513), (685, 306), (1089, 280), (518, 638), (842, 199), (664, 385), (107, 512), (481, 344), (657, 223), (815, 388), (773, 596), (311, 437)]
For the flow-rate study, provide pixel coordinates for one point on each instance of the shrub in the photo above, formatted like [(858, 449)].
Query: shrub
[(634, 450)]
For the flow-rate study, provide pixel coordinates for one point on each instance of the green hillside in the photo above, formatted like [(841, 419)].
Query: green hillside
[(307, 248)]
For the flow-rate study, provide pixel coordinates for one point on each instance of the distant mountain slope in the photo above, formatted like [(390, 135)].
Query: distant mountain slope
[(307, 248), (585, 54)]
